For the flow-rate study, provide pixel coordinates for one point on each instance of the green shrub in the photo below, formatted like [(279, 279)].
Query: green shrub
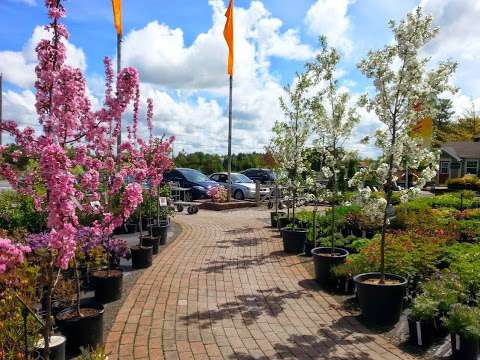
[(445, 291), (464, 260), (18, 212), (463, 320), (424, 308)]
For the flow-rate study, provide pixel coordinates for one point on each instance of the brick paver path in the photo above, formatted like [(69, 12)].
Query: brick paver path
[(225, 290)]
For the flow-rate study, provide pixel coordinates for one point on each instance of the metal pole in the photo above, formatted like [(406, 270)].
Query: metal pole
[(1, 105), (119, 68), (230, 140)]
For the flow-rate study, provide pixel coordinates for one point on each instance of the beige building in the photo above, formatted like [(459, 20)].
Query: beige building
[(458, 159)]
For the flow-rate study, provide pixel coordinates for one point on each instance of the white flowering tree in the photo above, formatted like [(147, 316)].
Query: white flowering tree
[(334, 120), (291, 136), (406, 90)]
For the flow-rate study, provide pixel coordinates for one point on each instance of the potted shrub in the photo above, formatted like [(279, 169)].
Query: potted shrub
[(109, 282), (421, 321), (287, 148), (406, 92), (333, 123), (463, 322)]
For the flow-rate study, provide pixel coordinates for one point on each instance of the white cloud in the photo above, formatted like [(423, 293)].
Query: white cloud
[(330, 18), (160, 54), (27, 2), (18, 67), (458, 39), (189, 83)]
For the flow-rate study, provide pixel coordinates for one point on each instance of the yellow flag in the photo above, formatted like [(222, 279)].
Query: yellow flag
[(117, 15), (424, 129), (228, 34)]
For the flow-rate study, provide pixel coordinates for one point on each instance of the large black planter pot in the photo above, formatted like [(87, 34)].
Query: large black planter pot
[(464, 349), (152, 241), (57, 348), (307, 249), (141, 257), (294, 240), (421, 333), (86, 332), (131, 228), (283, 222), (160, 231), (380, 304), (108, 285), (324, 262), (274, 216)]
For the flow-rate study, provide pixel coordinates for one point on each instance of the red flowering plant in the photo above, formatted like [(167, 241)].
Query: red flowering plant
[(218, 194), (72, 169)]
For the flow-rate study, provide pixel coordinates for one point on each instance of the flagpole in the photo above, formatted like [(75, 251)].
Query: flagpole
[(230, 139), (119, 68)]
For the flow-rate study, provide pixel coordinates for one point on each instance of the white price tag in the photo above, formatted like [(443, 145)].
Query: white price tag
[(162, 201), (419, 334)]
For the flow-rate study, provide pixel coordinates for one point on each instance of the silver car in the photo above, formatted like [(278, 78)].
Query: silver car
[(242, 186)]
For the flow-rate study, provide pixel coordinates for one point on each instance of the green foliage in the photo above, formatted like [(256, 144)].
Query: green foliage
[(464, 260), (463, 320), (445, 291), (424, 308), (98, 353), (466, 182), (18, 211)]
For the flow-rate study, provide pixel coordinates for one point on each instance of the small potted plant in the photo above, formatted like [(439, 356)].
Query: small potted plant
[(463, 322), (421, 321), (109, 282)]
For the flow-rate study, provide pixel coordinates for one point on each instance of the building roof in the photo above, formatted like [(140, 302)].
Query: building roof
[(462, 149)]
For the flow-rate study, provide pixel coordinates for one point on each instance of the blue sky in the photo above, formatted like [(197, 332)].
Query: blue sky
[(179, 50)]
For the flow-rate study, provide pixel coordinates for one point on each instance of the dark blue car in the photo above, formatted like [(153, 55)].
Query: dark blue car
[(198, 183)]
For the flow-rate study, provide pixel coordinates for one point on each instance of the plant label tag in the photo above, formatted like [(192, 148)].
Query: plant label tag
[(419, 334), (162, 201), (457, 342), (346, 286)]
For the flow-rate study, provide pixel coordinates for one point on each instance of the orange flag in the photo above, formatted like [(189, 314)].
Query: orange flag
[(117, 15), (424, 129), (228, 34)]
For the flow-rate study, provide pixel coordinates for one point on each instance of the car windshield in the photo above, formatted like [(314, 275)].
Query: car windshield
[(194, 175), (240, 178)]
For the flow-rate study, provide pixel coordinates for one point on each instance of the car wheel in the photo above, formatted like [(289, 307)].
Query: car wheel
[(238, 195)]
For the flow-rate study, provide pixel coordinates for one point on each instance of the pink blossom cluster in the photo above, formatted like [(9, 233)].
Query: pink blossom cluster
[(11, 254), (76, 150), (218, 194)]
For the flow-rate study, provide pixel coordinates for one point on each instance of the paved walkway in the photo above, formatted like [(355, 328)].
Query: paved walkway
[(225, 290)]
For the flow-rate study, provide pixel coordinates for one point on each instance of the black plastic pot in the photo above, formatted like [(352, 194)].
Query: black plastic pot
[(381, 304), (421, 333), (160, 231), (141, 256), (274, 216), (283, 222), (86, 332), (57, 348), (131, 228), (464, 349), (294, 240), (108, 285), (324, 262), (307, 249), (152, 241)]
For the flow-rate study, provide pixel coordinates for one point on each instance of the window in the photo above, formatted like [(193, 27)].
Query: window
[(444, 167), (214, 177), (471, 167)]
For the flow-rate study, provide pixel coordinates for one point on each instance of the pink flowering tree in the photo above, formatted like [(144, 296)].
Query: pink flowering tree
[(71, 166)]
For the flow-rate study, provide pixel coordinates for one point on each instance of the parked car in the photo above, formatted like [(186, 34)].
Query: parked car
[(263, 175), (242, 186), (198, 183)]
